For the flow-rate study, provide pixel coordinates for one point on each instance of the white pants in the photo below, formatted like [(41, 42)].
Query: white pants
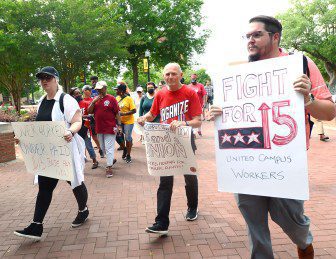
[(106, 142), (320, 129)]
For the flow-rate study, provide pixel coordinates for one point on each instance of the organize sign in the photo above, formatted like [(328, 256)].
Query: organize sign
[(44, 149), (260, 137), (169, 153)]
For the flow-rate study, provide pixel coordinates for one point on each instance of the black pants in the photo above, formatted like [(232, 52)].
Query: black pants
[(165, 191), (44, 196)]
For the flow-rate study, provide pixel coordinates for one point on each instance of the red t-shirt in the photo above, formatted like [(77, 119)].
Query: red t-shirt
[(318, 88), (105, 111), (200, 90), (181, 105), (84, 104)]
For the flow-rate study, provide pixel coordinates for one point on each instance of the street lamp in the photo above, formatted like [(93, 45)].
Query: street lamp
[(147, 55)]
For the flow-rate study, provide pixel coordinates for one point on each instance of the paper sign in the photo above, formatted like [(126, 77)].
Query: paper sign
[(44, 149), (169, 153), (260, 137)]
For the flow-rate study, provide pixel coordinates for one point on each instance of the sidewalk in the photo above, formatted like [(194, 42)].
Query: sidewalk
[(123, 206)]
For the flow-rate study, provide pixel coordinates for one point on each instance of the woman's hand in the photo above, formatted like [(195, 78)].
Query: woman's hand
[(68, 135)]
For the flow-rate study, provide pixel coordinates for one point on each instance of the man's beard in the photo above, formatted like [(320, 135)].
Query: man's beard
[(254, 57)]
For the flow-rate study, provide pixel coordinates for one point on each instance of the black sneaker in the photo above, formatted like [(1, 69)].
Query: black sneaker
[(157, 229), (128, 159), (82, 216), (192, 214), (124, 154), (101, 153), (33, 231)]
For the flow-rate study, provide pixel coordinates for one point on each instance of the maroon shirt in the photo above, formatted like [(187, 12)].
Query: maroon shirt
[(105, 111)]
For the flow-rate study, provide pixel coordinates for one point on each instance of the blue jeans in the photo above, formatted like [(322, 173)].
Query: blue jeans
[(127, 130), (89, 147)]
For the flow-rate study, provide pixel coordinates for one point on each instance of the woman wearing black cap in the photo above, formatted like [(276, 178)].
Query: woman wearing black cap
[(57, 106)]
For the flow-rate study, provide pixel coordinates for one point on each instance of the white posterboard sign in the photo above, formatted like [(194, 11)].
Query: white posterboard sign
[(169, 153), (44, 149), (260, 138)]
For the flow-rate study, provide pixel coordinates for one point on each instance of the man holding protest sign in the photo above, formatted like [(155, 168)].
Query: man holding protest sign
[(263, 38), (188, 113), (57, 106)]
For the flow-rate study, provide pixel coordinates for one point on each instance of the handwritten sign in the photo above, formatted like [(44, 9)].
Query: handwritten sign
[(260, 137), (44, 149), (169, 153)]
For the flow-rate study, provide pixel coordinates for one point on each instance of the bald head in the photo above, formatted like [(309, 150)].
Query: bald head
[(174, 65), (172, 74)]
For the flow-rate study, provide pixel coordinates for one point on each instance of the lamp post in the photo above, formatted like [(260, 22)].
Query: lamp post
[(147, 55)]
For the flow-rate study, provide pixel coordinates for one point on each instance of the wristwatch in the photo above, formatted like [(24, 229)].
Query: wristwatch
[(311, 100)]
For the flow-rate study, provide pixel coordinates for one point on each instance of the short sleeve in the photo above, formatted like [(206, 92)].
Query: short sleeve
[(70, 107), (203, 90), (155, 109), (195, 106), (319, 88), (131, 103)]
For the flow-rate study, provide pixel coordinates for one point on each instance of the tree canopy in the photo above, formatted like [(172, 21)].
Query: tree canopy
[(310, 26), (94, 37)]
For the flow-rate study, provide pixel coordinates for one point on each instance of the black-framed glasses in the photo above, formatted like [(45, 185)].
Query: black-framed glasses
[(46, 77), (255, 35)]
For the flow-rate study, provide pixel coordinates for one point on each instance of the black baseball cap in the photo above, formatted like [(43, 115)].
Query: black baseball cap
[(48, 71), (120, 87)]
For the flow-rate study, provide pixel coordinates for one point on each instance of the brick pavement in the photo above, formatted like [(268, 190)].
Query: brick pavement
[(123, 206)]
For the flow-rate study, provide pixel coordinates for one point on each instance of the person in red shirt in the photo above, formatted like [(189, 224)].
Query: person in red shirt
[(201, 93), (188, 114), (262, 40), (106, 112), (89, 119), (75, 93)]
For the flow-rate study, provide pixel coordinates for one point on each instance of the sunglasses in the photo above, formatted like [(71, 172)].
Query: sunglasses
[(48, 78)]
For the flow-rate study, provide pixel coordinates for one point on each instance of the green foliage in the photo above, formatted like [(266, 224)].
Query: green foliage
[(310, 26), (202, 76), (167, 28), (95, 36)]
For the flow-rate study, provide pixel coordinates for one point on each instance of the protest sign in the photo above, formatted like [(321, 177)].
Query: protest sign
[(44, 149), (169, 153), (260, 137)]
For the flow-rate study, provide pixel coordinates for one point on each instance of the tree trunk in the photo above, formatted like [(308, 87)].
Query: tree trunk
[(135, 70), (331, 70)]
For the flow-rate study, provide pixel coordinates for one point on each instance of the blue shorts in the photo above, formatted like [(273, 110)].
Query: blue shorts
[(127, 130)]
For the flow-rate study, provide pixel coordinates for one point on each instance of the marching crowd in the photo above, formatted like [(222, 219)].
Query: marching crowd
[(93, 114)]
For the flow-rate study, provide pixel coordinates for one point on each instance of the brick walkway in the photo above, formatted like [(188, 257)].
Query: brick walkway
[(123, 206)]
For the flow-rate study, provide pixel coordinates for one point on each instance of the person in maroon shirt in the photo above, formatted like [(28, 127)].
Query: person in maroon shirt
[(106, 112), (201, 93)]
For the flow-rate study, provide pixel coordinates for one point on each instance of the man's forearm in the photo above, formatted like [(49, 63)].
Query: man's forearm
[(149, 116), (195, 122), (322, 109)]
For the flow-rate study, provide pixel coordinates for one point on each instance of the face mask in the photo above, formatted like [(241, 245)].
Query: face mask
[(78, 98), (150, 91)]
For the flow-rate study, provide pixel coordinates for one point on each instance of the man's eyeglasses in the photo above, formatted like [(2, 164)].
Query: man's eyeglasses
[(48, 78), (255, 35)]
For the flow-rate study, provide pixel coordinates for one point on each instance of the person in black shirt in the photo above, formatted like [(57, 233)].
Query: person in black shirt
[(50, 109)]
